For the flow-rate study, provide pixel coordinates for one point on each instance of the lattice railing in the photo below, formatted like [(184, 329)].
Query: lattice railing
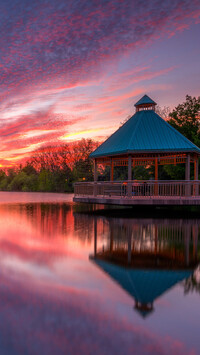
[(138, 188)]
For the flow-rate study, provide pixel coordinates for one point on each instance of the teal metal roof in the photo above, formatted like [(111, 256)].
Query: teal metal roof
[(145, 100), (143, 285), (145, 132)]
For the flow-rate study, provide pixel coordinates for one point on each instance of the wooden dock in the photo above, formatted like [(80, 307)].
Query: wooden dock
[(133, 193)]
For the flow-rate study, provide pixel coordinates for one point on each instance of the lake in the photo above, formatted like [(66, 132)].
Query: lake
[(78, 279)]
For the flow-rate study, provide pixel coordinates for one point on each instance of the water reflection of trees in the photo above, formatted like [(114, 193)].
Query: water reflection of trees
[(55, 219), (48, 220)]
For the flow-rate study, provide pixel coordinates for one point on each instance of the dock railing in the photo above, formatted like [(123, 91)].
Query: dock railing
[(138, 188)]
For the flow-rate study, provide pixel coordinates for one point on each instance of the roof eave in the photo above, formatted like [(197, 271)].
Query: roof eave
[(110, 154)]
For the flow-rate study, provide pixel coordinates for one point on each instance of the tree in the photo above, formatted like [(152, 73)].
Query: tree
[(186, 119), (19, 182), (3, 180), (62, 179), (163, 111), (125, 120), (29, 169), (45, 181), (50, 158), (81, 162)]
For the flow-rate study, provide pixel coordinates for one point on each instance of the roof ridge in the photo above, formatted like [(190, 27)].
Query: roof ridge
[(136, 126)]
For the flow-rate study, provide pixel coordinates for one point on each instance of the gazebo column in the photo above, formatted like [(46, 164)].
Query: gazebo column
[(196, 176), (156, 169), (95, 178), (156, 177), (129, 176), (196, 169), (187, 175), (112, 170), (95, 171), (187, 168)]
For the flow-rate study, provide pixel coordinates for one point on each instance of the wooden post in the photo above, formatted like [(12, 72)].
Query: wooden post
[(156, 168), (187, 175), (156, 176), (196, 176), (129, 167), (187, 168), (129, 176), (95, 178), (112, 170), (95, 171)]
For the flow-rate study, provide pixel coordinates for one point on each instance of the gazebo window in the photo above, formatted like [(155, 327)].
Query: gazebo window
[(145, 103)]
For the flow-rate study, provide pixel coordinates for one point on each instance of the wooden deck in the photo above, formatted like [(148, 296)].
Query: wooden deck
[(131, 193)]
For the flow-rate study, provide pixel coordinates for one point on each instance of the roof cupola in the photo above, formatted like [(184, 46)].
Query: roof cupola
[(145, 103)]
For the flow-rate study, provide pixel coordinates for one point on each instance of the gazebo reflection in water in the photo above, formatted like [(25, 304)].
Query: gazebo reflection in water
[(146, 257)]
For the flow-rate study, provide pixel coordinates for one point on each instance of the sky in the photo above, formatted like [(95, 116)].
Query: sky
[(74, 69)]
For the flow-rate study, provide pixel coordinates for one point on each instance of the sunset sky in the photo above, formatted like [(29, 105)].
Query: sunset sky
[(74, 69)]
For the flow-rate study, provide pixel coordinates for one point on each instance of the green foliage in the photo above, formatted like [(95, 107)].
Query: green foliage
[(82, 164), (19, 182), (104, 173), (52, 169), (141, 173), (62, 180), (45, 181), (186, 119), (121, 173), (11, 173), (29, 170), (83, 170), (175, 172), (3, 180)]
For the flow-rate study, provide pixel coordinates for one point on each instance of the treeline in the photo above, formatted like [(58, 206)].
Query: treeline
[(53, 169)]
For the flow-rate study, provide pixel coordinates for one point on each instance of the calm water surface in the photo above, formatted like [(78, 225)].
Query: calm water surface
[(86, 280)]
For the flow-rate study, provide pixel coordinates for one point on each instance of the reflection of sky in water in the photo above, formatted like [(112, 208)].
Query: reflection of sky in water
[(54, 300)]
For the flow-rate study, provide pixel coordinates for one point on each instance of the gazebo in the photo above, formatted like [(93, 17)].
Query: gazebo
[(144, 140)]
